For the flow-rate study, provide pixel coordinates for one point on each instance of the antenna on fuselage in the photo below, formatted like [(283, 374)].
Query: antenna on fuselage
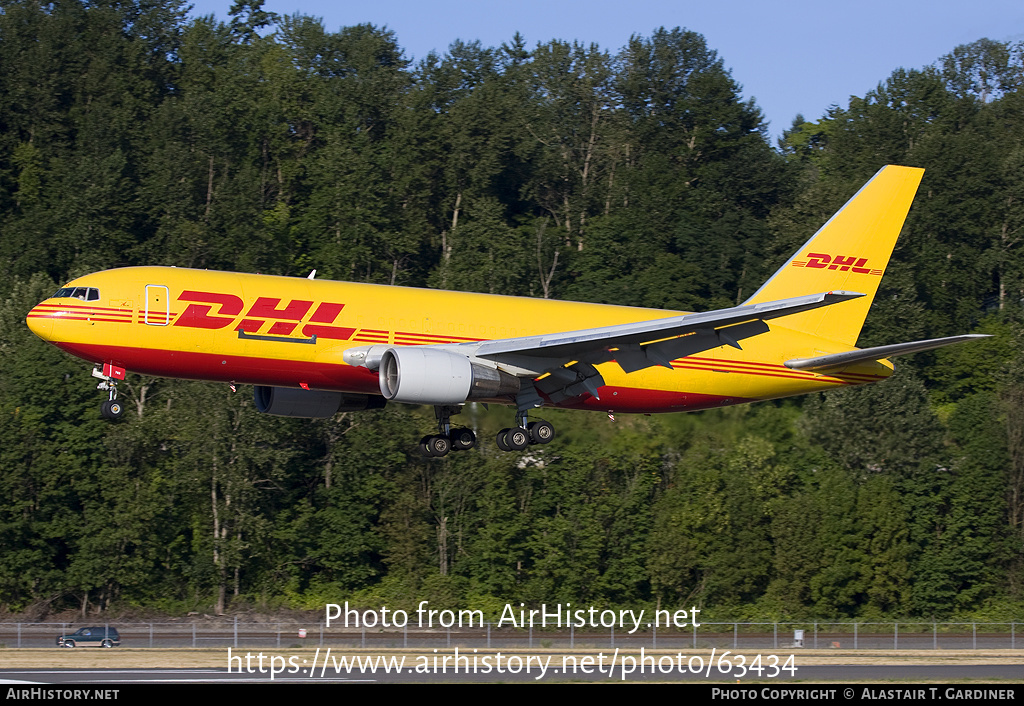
[(311, 275)]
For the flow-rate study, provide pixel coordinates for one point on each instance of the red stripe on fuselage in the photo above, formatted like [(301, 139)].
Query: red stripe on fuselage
[(85, 307), (337, 376), (230, 368), (641, 401), (740, 371), (88, 317)]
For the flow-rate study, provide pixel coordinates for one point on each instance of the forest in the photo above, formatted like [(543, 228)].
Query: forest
[(133, 134)]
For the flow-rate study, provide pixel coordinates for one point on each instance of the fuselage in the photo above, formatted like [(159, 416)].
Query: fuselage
[(292, 332)]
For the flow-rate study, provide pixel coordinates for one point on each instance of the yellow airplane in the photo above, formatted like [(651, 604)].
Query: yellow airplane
[(314, 347)]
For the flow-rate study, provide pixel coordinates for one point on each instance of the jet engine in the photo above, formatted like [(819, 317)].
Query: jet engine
[(424, 375), (310, 404)]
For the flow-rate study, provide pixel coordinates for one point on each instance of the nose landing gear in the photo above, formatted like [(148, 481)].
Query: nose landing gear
[(112, 408)]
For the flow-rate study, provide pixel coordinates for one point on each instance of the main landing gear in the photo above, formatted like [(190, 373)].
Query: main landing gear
[(459, 438), (524, 434), (112, 408), (462, 438)]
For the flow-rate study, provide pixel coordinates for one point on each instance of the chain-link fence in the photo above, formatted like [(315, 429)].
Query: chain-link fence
[(233, 632)]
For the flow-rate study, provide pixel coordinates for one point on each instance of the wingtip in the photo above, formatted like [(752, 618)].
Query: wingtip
[(842, 294)]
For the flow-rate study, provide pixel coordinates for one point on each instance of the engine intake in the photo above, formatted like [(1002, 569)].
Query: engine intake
[(422, 375)]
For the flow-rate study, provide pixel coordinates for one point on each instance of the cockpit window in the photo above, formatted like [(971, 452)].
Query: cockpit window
[(85, 294)]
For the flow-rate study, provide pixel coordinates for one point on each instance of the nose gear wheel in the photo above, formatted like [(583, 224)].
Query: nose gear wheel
[(111, 408)]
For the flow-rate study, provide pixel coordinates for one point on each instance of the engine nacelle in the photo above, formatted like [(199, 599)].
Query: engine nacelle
[(311, 404), (425, 375)]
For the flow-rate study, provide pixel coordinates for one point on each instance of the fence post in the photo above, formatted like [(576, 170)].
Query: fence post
[(775, 629), (855, 634), (895, 636), (735, 635)]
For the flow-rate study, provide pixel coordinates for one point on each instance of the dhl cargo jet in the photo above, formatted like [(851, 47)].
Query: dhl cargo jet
[(314, 347)]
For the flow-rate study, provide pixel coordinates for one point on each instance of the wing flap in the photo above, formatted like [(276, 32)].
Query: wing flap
[(632, 357)]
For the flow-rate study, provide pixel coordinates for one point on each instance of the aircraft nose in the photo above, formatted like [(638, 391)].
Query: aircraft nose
[(40, 323)]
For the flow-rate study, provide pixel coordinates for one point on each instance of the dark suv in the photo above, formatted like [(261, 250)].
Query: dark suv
[(90, 637)]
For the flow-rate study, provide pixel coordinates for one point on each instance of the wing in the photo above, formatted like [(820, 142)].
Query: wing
[(645, 334), (567, 360)]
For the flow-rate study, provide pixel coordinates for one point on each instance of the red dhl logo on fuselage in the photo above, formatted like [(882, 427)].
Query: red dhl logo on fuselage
[(285, 318), (842, 263)]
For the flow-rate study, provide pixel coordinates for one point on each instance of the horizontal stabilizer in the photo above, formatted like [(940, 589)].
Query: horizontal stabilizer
[(839, 360)]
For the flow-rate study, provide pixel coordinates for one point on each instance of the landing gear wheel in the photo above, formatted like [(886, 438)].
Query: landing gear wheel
[(517, 439), (424, 447), (440, 444), (501, 441), (437, 445), (541, 432), (111, 409), (462, 439)]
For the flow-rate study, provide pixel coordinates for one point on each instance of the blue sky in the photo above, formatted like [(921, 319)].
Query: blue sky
[(793, 57)]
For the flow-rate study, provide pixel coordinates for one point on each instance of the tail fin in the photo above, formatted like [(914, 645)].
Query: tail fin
[(850, 252)]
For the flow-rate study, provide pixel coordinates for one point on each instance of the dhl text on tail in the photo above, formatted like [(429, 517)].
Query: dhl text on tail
[(315, 347)]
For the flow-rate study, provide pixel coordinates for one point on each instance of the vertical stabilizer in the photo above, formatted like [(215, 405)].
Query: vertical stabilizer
[(850, 253)]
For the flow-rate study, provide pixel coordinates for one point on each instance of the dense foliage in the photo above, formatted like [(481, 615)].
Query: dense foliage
[(130, 134)]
